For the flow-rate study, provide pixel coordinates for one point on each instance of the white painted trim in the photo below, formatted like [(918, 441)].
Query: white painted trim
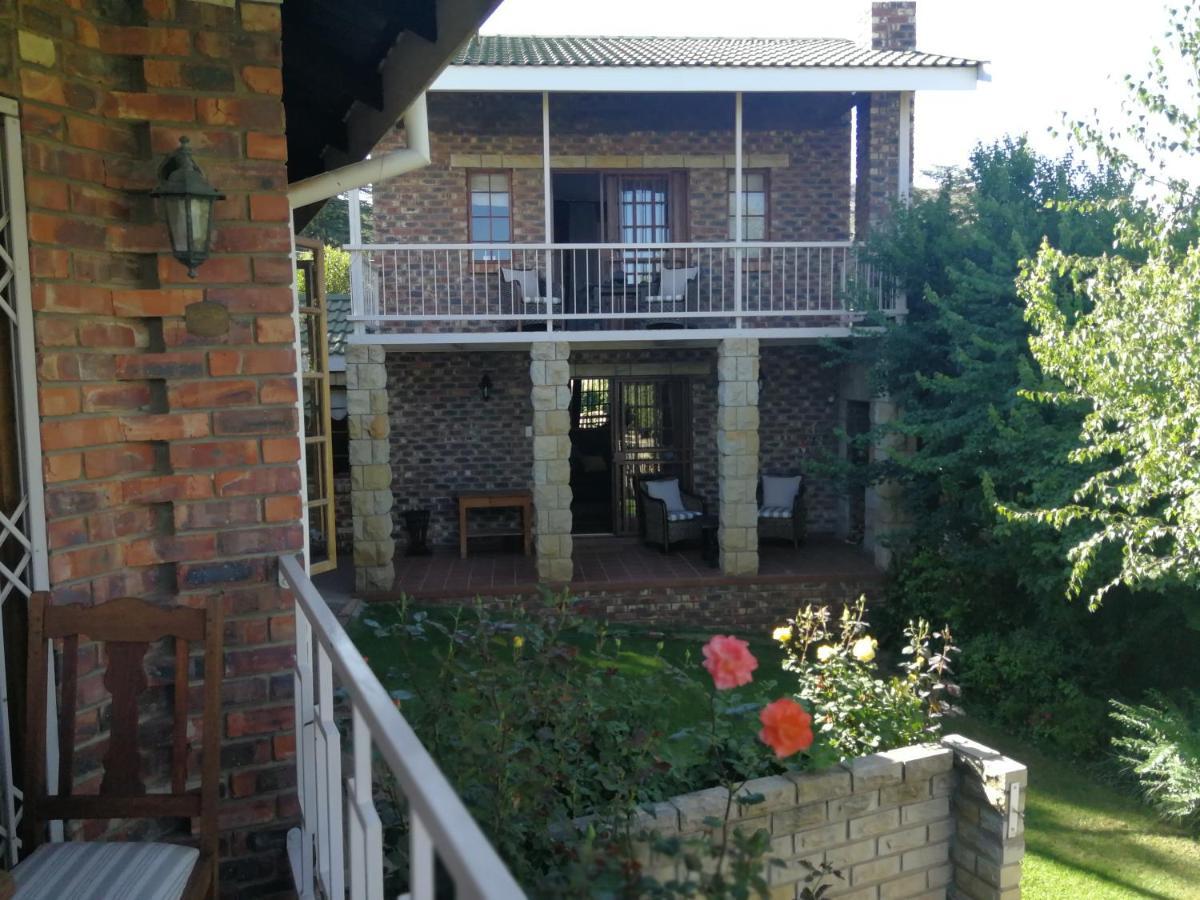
[(31, 434), (547, 200), (9, 107), (517, 339), (706, 79), (738, 234), (904, 154), (357, 288), (676, 245)]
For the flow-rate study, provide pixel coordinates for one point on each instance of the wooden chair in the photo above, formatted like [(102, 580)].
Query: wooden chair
[(120, 869)]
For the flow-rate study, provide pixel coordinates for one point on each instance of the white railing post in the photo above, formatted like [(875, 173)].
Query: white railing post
[(738, 234), (364, 826), (357, 286), (547, 200), (306, 781), (330, 860)]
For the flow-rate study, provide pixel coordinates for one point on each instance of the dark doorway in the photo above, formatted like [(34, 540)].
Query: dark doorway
[(623, 430), (858, 424), (578, 219)]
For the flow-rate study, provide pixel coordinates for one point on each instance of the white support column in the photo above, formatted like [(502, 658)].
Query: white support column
[(904, 154), (738, 234), (357, 292), (547, 208)]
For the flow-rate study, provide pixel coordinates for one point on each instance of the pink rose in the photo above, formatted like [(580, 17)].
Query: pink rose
[(729, 661)]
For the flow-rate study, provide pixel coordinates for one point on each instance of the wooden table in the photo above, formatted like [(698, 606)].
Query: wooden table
[(509, 499)]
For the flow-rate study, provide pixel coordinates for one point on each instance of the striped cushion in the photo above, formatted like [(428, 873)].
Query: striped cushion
[(105, 871), (681, 515), (775, 512)]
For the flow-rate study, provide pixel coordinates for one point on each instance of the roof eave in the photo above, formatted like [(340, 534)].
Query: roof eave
[(708, 79)]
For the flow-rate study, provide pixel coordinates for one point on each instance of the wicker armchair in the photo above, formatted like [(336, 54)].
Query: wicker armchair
[(778, 519), (658, 522)]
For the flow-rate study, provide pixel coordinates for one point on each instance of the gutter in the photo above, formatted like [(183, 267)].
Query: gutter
[(370, 171)]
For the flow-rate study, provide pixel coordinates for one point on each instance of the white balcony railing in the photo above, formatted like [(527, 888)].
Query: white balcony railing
[(490, 288), (338, 850)]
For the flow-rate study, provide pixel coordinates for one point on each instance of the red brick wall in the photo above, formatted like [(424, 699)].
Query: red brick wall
[(170, 459), (810, 197)]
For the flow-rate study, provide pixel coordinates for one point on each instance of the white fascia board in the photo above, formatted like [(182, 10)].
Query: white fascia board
[(710, 79)]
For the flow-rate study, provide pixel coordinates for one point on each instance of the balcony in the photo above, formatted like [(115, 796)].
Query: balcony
[(338, 849), (517, 293)]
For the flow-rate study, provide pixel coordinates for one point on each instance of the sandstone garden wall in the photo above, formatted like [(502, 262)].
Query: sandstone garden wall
[(922, 822)]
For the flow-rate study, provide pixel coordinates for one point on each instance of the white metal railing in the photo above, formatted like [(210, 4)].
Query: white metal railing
[(333, 825), (483, 287)]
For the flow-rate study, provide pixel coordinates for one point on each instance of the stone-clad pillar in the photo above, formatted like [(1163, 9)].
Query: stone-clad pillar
[(370, 467), (550, 373), (737, 449)]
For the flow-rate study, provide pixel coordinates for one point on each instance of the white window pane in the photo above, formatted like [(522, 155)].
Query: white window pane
[(480, 182), (499, 182), (756, 204), (756, 229), (500, 203), (754, 182)]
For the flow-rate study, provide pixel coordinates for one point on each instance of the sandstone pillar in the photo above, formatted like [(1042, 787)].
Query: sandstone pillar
[(370, 467), (550, 373), (737, 450)]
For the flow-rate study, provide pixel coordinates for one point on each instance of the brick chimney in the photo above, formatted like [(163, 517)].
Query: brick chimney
[(894, 25)]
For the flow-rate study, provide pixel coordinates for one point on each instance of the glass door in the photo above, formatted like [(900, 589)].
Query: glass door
[(652, 438)]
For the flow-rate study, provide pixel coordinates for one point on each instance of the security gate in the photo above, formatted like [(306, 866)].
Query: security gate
[(23, 563)]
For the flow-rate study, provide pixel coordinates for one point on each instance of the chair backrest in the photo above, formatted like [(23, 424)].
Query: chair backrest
[(779, 490), (673, 283), (126, 627), (527, 279)]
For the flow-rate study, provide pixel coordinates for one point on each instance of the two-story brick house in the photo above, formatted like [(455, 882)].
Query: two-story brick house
[(639, 246)]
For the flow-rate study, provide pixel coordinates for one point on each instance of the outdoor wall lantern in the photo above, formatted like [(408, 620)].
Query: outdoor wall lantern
[(485, 387), (187, 206)]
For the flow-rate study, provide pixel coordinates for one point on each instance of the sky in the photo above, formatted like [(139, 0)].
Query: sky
[(1046, 57)]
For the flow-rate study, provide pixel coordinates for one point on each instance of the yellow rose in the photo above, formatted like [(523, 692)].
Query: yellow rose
[(518, 642), (825, 653), (864, 649), (783, 634)]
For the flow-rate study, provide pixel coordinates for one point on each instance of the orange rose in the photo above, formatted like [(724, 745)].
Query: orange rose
[(729, 661), (787, 728)]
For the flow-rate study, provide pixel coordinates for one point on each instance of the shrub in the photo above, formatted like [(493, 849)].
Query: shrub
[(856, 710), (1160, 744)]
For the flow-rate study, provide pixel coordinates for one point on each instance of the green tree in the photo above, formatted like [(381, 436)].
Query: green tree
[(1120, 331)]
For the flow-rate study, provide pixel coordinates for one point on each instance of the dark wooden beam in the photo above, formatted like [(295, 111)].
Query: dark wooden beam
[(310, 61)]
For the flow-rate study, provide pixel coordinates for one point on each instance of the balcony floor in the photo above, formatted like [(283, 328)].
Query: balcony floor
[(622, 564)]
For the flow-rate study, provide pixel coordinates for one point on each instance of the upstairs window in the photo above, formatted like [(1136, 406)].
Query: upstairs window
[(754, 206), (490, 212)]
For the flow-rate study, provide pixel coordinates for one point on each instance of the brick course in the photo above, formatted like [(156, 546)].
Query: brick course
[(158, 484)]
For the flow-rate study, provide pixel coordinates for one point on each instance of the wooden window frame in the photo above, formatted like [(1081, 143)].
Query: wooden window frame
[(484, 266)]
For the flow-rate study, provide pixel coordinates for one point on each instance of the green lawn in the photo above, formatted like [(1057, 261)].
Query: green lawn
[(1085, 840)]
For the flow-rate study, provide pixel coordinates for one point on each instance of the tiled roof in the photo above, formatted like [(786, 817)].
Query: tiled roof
[(337, 321), (512, 50)]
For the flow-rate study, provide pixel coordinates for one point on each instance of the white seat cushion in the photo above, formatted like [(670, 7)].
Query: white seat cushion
[(112, 870), (780, 490), (775, 512), (667, 491), (682, 515)]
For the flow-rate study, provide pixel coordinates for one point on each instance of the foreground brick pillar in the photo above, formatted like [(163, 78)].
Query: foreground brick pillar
[(737, 449), (370, 468), (989, 811), (170, 452), (550, 373)]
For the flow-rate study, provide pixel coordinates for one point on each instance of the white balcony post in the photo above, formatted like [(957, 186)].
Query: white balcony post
[(357, 293), (738, 234), (548, 210)]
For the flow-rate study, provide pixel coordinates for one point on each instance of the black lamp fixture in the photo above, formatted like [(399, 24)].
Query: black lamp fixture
[(485, 387), (187, 206)]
